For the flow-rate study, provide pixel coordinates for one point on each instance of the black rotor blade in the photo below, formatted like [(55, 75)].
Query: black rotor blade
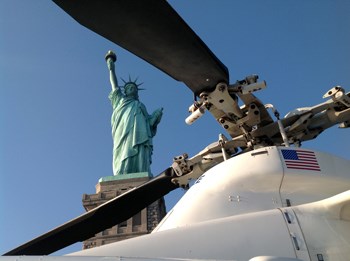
[(152, 30), (100, 218)]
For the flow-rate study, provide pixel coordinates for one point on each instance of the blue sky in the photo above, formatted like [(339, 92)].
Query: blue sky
[(55, 140)]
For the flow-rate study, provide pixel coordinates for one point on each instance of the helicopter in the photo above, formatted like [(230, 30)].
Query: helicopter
[(298, 127)]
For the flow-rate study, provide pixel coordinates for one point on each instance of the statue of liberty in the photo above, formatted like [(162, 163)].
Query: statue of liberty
[(132, 127)]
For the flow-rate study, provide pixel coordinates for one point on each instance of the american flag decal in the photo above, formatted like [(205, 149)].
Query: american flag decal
[(300, 159)]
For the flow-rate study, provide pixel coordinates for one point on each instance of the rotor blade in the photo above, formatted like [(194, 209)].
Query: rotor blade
[(153, 31), (100, 218)]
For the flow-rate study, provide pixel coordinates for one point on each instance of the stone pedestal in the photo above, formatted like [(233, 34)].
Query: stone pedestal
[(140, 224)]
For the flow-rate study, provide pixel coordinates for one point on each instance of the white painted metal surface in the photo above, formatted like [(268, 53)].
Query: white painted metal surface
[(308, 232), (303, 186), (231, 188), (256, 181), (326, 227), (239, 237)]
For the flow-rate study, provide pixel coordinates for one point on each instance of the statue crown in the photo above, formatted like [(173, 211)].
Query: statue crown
[(133, 82)]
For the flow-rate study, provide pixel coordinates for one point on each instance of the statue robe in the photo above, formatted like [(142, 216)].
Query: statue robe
[(132, 134)]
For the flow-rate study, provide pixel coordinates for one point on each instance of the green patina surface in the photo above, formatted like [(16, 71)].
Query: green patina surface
[(128, 176), (132, 127)]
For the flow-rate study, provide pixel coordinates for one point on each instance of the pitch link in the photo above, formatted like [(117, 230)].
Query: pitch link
[(190, 169)]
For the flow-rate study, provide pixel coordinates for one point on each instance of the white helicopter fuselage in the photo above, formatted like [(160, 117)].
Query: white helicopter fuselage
[(273, 203), (259, 180)]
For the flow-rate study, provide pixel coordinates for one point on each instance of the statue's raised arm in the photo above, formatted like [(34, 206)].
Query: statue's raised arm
[(111, 58)]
